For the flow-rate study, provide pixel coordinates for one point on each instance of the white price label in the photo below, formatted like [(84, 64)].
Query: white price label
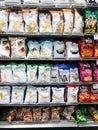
[(96, 36), (97, 62)]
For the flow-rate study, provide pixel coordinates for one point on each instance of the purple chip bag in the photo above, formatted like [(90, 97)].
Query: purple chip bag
[(95, 72), (85, 72)]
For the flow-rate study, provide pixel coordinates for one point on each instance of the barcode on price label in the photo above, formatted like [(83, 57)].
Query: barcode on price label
[(96, 36)]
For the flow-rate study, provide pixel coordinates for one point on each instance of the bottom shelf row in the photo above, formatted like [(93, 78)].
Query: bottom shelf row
[(42, 117)]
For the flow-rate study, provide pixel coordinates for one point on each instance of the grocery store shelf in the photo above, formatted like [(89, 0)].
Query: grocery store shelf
[(89, 124), (49, 124), (92, 5)]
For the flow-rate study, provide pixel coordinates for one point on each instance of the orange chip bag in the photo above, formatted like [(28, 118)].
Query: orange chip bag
[(86, 47), (96, 49)]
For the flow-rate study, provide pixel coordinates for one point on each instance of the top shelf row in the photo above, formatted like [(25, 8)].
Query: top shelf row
[(48, 4)]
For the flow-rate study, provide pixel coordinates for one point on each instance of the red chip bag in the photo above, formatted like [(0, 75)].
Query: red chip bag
[(72, 93), (95, 72), (86, 47), (84, 94), (94, 93), (96, 49)]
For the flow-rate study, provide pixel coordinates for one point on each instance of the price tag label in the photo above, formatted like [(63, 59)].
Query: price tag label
[(97, 62), (96, 36)]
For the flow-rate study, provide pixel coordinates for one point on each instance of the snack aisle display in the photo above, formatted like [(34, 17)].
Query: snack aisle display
[(48, 63)]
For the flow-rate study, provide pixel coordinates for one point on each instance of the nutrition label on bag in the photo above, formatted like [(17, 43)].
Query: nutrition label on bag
[(96, 36)]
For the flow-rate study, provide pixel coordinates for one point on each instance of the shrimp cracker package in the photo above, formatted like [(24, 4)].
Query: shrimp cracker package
[(31, 95), (44, 74), (46, 48), (43, 94), (17, 94), (58, 94), (72, 50), (68, 20), (30, 1), (54, 76), (86, 47), (85, 71), (64, 70), (19, 73), (16, 22), (95, 72), (18, 47), (3, 21), (4, 48), (57, 21), (45, 22), (78, 24), (32, 74), (5, 94), (74, 74), (59, 49), (33, 49), (30, 17), (6, 74), (72, 94)]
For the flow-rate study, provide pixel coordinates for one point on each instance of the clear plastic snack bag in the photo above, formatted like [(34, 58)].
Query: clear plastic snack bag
[(17, 94), (58, 94), (59, 49), (16, 22), (45, 22), (19, 73), (43, 95), (37, 114), (55, 114), (4, 48), (18, 47), (33, 49), (3, 21), (57, 21), (30, 17), (31, 95), (45, 114), (5, 94), (32, 73), (6, 74)]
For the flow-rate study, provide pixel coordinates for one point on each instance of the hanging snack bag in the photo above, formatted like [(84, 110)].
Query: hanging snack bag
[(57, 21), (5, 94), (19, 73), (96, 48), (30, 17), (85, 71), (31, 95), (16, 22), (59, 49), (31, 74), (33, 49), (43, 95), (68, 20), (4, 48), (37, 114), (74, 74), (86, 47), (3, 21), (72, 50), (44, 74), (18, 47), (90, 21), (46, 48), (54, 75), (45, 22), (64, 70), (94, 93), (55, 114), (17, 94), (45, 114), (6, 74), (95, 72), (72, 94), (78, 22), (58, 94), (84, 93)]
